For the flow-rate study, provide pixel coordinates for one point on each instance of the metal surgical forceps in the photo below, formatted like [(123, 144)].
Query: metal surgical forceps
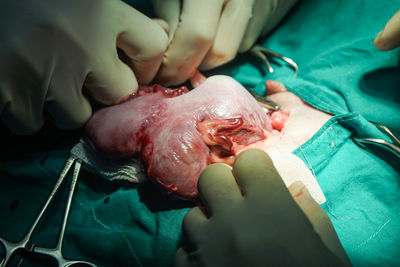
[(25, 244), (263, 53), (264, 102), (393, 146)]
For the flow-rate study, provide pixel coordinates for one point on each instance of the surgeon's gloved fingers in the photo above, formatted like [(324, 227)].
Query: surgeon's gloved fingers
[(20, 114), (110, 80), (318, 218), (163, 24), (192, 39), (169, 11), (256, 175), (389, 37), (218, 188), (231, 29), (261, 12), (266, 15), (192, 226), (68, 110), (22, 122), (144, 54), (182, 259), (308, 205), (279, 9)]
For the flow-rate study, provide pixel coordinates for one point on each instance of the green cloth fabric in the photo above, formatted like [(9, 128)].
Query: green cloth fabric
[(110, 224), (342, 73), (361, 187), (121, 224)]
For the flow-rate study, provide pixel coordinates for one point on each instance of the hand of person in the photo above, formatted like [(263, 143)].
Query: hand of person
[(249, 218), (51, 49), (208, 33), (389, 37)]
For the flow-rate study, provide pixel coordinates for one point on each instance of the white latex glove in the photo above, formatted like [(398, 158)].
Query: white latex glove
[(250, 218), (51, 49), (208, 33), (389, 37)]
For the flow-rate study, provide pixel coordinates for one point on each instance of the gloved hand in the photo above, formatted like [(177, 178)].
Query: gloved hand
[(51, 49), (208, 33), (389, 37), (249, 218)]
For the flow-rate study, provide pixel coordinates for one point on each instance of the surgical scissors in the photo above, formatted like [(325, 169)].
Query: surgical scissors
[(26, 244), (393, 146)]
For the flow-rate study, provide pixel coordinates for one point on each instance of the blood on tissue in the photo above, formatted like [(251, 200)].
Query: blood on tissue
[(169, 187), (224, 137), (146, 151), (144, 90)]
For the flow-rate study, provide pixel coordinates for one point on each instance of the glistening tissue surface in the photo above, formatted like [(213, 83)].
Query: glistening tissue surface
[(121, 224)]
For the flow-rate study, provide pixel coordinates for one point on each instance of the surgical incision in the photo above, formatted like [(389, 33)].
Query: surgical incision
[(178, 132)]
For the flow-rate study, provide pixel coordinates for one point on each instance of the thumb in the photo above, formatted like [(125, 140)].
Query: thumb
[(389, 37)]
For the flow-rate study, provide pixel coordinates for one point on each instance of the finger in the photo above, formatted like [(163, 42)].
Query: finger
[(389, 37), (181, 258), (22, 115), (21, 121), (256, 174), (278, 10), (192, 225), (318, 218), (310, 207), (169, 11), (144, 42), (192, 40), (232, 26), (261, 12), (266, 15), (218, 188), (163, 24), (65, 102), (110, 79), (303, 198)]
